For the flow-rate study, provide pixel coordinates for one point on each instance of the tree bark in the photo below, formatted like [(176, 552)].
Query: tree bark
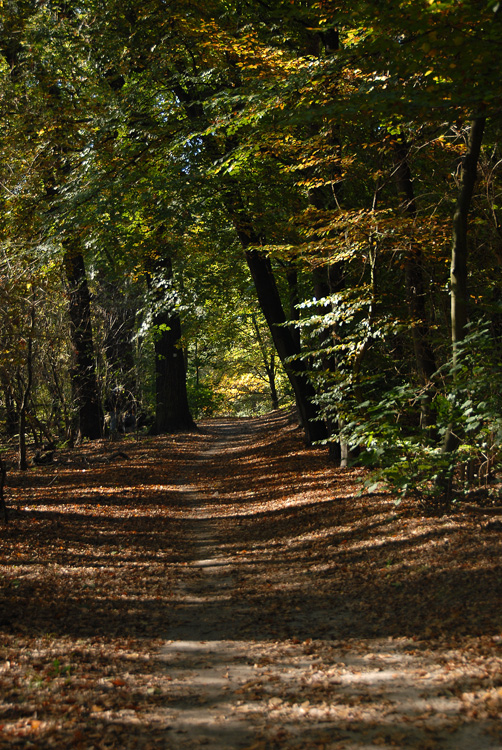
[(172, 412), (26, 393), (284, 341), (284, 338), (459, 252), (458, 273), (83, 372)]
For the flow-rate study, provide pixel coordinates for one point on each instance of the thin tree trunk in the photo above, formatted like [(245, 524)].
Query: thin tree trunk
[(459, 252), (83, 374), (274, 396), (26, 392), (3, 506), (458, 273)]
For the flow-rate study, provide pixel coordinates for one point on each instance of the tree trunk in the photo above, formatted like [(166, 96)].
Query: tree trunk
[(83, 373), (172, 412), (274, 396), (458, 274), (26, 392), (284, 341)]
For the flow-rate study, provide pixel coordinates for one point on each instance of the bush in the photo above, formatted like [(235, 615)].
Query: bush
[(464, 401), (203, 400)]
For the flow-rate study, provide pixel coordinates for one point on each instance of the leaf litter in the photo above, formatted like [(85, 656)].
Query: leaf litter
[(230, 588)]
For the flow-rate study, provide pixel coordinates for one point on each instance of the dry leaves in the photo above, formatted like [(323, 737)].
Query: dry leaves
[(361, 624)]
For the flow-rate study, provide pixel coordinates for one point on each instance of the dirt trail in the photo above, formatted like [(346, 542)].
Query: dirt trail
[(231, 589), (245, 672), (207, 661)]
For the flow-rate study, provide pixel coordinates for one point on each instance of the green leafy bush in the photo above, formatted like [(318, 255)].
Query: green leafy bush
[(410, 457), (203, 400)]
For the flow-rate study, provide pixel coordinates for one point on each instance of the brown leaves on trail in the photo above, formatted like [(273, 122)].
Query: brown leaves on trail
[(87, 571), (363, 623)]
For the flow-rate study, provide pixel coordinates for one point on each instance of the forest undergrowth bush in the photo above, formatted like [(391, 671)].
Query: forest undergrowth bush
[(203, 400), (401, 429)]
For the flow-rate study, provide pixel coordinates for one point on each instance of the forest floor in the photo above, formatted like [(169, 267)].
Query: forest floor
[(231, 589)]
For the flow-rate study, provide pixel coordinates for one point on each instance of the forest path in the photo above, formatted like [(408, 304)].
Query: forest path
[(256, 660), (233, 590), (207, 661)]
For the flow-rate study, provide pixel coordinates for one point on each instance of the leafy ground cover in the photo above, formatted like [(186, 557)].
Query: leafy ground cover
[(231, 589)]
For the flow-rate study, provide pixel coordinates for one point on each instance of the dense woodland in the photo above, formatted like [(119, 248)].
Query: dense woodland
[(224, 207)]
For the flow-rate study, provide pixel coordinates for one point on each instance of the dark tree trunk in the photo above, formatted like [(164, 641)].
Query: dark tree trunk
[(458, 274), (172, 412), (285, 342), (83, 373), (274, 396)]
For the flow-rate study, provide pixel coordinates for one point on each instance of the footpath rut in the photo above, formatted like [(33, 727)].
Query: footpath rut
[(206, 659), (246, 674)]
